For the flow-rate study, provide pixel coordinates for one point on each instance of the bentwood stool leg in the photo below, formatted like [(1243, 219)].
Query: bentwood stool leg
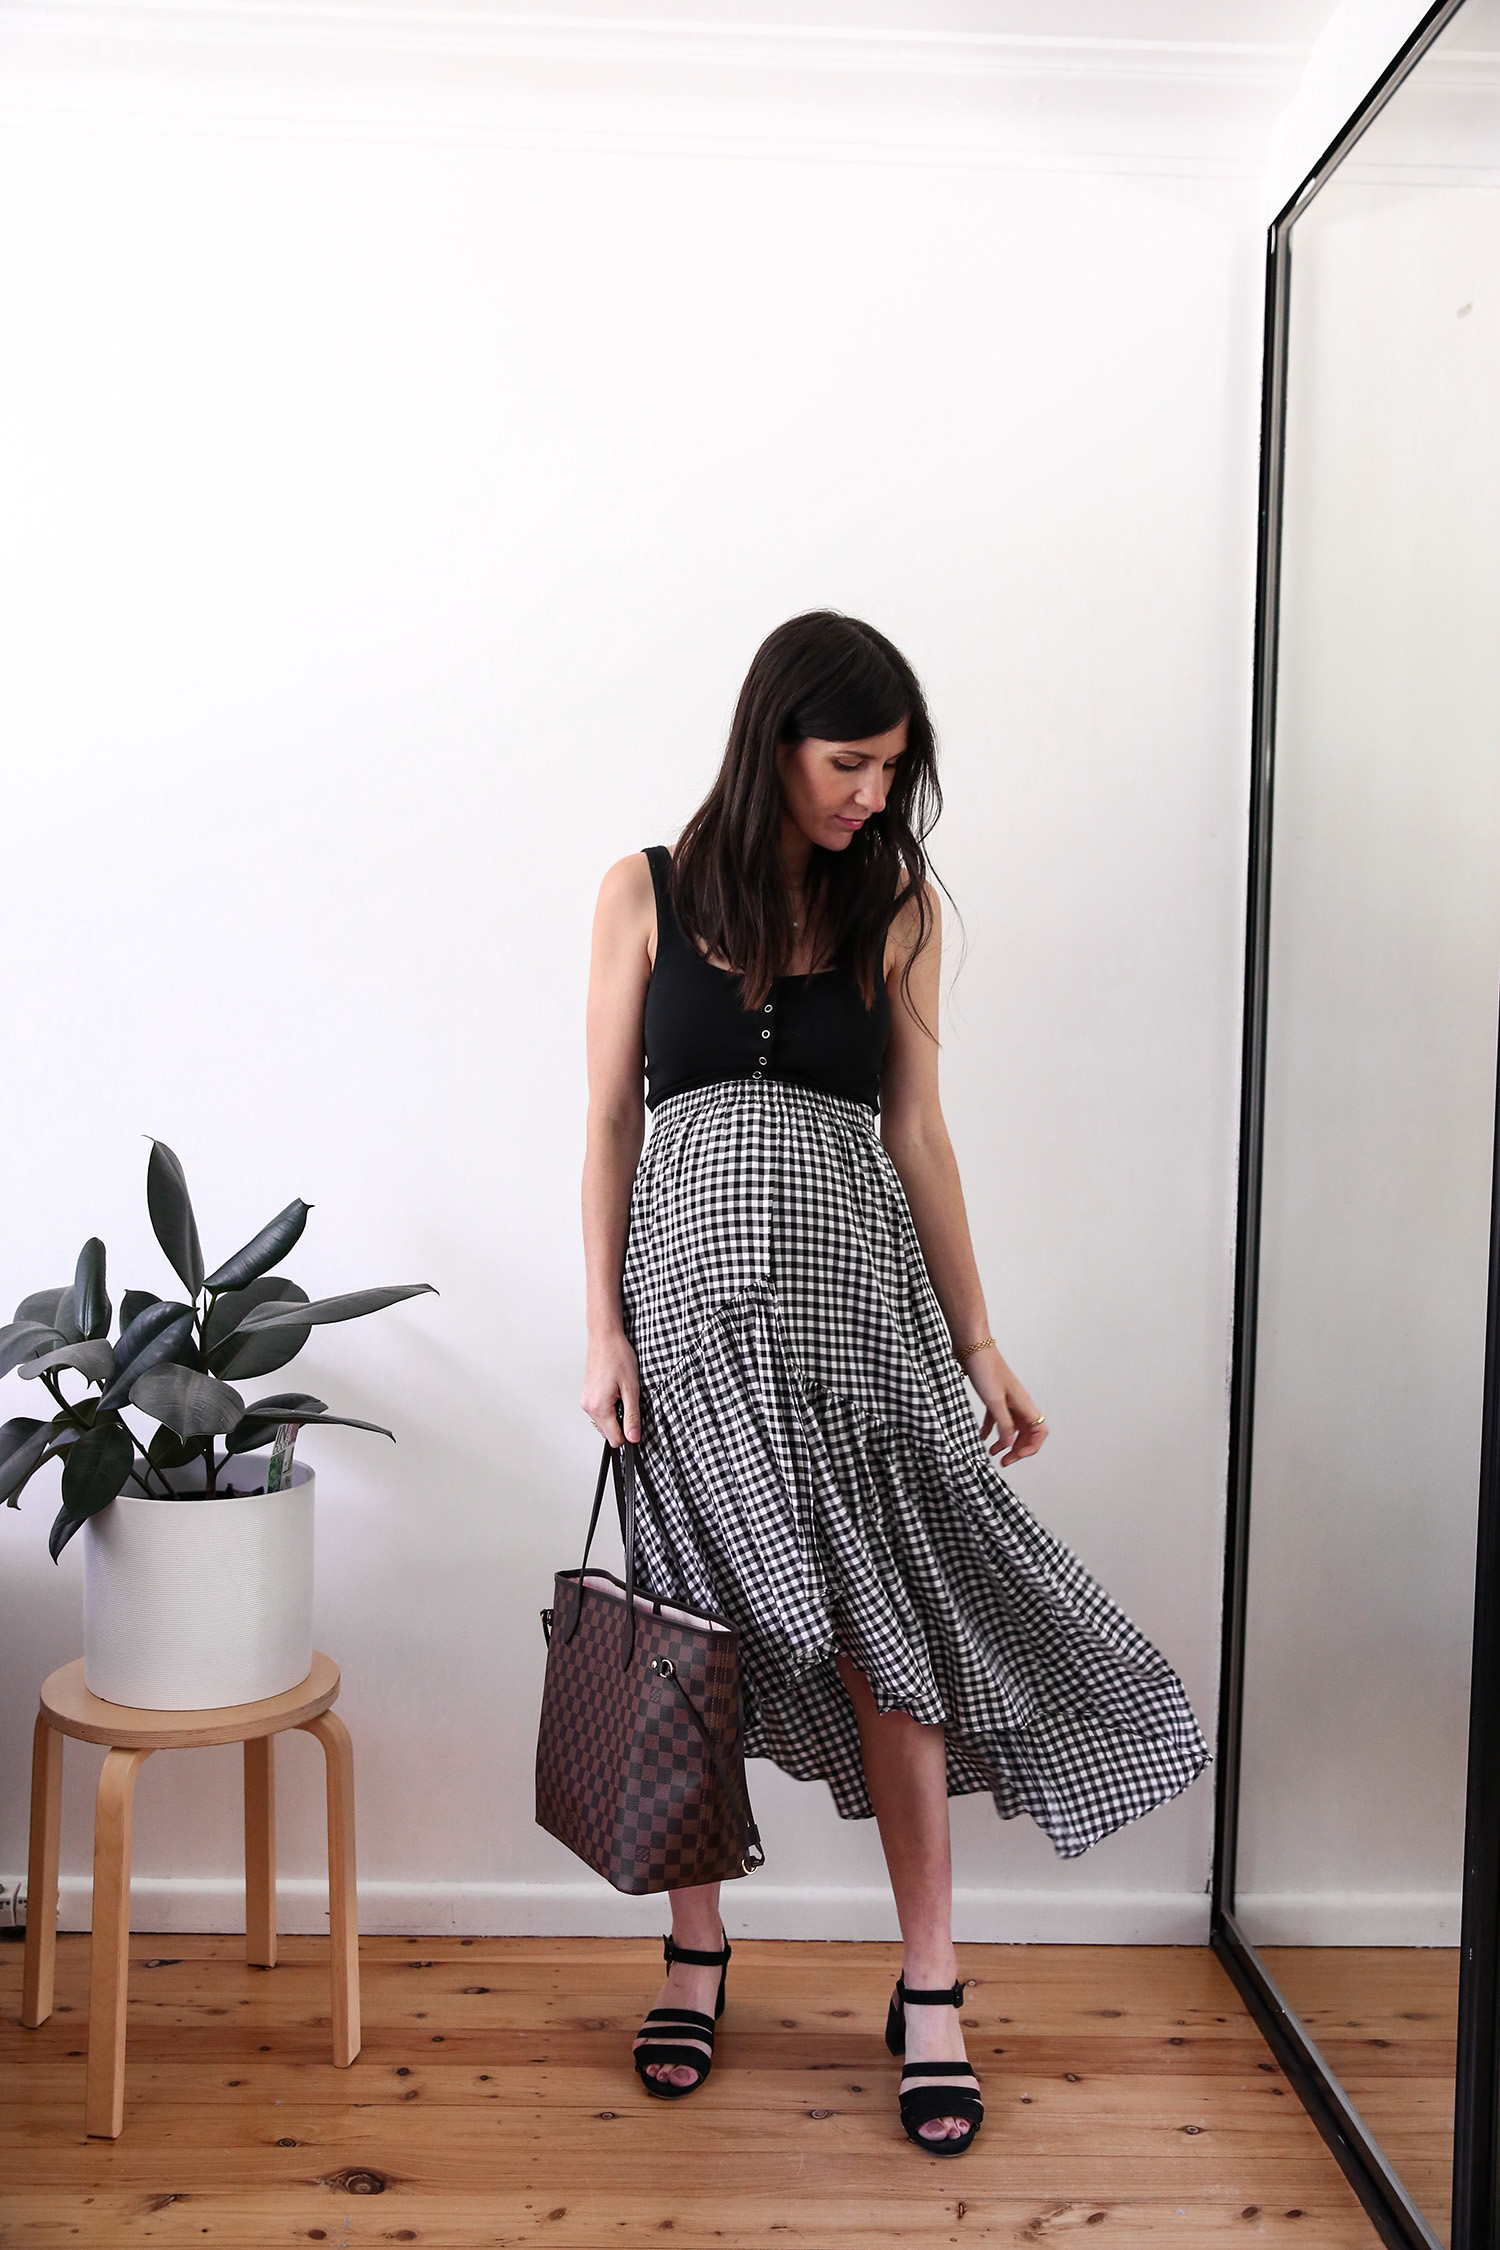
[(343, 1906), (104, 2094), (260, 1851), (41, 1873)]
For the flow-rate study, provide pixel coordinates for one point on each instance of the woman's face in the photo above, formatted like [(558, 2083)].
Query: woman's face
[(830, 789)]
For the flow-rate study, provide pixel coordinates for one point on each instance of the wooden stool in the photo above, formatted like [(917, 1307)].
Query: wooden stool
[(68, 1708)]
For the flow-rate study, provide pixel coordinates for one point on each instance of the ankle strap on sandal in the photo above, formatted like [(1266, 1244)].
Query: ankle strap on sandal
[(951, 1996), (672, 1951)]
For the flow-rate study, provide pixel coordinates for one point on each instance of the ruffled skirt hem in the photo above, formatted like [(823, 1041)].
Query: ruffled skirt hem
[(821, 1523)]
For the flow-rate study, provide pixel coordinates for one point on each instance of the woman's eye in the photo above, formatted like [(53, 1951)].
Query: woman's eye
[(840, 767)]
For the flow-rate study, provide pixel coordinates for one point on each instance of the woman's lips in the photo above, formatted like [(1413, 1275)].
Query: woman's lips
[(850, 824)]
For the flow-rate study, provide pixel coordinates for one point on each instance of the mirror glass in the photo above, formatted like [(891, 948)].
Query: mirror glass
[(1383, 999)]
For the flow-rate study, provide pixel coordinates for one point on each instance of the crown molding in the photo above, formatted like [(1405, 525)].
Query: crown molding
[(476, 73), (478, 30)]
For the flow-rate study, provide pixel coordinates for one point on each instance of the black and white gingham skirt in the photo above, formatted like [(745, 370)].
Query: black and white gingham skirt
[(812, 1471)]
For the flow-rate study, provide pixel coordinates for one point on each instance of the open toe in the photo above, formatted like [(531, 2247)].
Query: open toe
[(678, 2039), (923, 2102)]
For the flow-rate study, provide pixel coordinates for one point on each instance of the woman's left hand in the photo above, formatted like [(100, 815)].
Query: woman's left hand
[(1010, 1411)]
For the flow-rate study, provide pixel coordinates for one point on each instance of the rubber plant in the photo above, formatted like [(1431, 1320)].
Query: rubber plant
[(175, 1360)]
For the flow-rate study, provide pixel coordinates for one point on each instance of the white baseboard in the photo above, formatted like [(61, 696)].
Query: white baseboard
[(594, 1910), (1350, 1917)]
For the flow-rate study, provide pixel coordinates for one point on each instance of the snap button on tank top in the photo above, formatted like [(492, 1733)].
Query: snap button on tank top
[(814, 1030)]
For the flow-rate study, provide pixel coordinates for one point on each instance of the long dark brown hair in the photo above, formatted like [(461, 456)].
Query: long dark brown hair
[(827, 678)]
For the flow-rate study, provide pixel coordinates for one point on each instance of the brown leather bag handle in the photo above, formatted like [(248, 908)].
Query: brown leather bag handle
[(625, 1496)]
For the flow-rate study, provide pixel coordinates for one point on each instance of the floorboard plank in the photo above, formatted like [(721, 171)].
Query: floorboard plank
[(1386, 2018), (1130, 2101)]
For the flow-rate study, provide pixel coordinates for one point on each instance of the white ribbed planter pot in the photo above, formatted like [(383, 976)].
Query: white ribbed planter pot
[(191, 1604)]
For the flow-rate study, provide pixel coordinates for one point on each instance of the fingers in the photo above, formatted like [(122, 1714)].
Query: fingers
[(612, 1393), (1028, 1431), (606, 1419), (1012, 1429), (1031, 1436), (1005, 1431), (1017, 1426)]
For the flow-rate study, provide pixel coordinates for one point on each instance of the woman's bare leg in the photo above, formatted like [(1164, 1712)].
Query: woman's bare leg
[(695, 1924), (907, 1776)]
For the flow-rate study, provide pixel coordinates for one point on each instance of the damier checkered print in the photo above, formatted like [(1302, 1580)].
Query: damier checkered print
[(622, 1776), (810, 1470)]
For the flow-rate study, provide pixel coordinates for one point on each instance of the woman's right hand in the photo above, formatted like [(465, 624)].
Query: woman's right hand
[(612, 1379)]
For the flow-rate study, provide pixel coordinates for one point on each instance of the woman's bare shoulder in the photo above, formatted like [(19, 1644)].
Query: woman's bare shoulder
[(626, 912), (627, 889), (628, 878), (910, 928)]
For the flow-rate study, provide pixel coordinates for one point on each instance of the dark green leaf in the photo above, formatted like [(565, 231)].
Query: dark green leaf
[(163, 1331), (59, 1446), (230, 1353), (285, 1406), (168, 1451), (133, 1304), (91, 1305), (260, 1355), (22, 1444), (265, 1416), (171, 1210), (54, 1308), (259, 1429), (193, 1405), (96, 1360), (157, 1313), (263, 1252), (24, 1339), (324, 1309), (97, 1468)]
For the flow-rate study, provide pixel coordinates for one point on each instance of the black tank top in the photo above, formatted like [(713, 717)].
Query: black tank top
[(815, 1030)]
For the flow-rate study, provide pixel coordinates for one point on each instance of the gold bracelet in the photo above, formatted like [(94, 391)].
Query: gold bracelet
[(985, 1343)]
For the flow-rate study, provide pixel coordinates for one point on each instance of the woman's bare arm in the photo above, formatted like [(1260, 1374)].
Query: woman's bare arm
[(619, 970), (916, 1141)]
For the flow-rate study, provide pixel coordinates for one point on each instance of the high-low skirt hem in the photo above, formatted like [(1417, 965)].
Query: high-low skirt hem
[(811, 1470)]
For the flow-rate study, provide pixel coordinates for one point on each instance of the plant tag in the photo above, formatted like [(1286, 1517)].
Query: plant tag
[(280, 1471)]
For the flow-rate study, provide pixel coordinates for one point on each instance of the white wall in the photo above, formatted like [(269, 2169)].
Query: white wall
[(407, 452)]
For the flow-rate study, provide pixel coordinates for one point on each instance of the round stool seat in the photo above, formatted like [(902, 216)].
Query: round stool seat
[(68, 1706)]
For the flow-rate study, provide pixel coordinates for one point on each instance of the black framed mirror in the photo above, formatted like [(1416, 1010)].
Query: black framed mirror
[(1356, 1892)]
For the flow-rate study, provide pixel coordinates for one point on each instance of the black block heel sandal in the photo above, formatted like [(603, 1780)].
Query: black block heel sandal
[(921, 2104), (657, 2044)]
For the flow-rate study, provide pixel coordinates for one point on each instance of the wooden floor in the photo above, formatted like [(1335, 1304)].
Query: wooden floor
[(1129, 2101), (1387, 2021)]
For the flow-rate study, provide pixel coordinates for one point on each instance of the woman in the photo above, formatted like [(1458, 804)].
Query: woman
[(783, 1306)]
